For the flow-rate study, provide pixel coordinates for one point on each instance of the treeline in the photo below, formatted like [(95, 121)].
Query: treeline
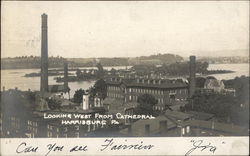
[(26, 62), (158, 59), (174, 69), (241, 86), (225, 60), (90, 62), (29, 62)]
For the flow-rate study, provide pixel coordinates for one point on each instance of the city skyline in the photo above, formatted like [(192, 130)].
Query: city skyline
[(126, 29)]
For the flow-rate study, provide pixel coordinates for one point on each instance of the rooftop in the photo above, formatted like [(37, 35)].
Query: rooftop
[(177, 115), (201, 115), (153, 83), (138, 127), (216, 126), (118, 106)]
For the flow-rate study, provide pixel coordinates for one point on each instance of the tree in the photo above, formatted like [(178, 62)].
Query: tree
[(218, 104), (54, 103), (200, 81), (100, 72), (78, 95), (146, 103), (100, 88), (113, 71), (78, 73)]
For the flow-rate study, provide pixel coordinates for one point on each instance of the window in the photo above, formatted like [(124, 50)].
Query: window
[(49, 134), (129, 97), (183, 131), (188, 129), (77, 134), (65, 129)]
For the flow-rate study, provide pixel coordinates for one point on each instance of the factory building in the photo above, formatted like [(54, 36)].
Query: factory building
[(168, 92)]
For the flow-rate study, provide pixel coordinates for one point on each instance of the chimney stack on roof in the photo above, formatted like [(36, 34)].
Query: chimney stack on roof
[(163, 126), (129, 129), (147, 129)]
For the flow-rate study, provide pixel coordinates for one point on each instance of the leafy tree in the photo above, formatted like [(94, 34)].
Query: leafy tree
[(222, 106), (113, 71), (100, 72), (146, 103), (200, 81), (201, 67), (54, 103), (78, 95), (100, 88), (78, 73)]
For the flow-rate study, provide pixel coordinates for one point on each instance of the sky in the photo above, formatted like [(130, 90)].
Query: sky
[(125, 29)]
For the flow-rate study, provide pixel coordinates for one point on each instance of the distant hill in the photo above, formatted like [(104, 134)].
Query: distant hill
[(156, 59), (29, 62), (26, 62), (225, 60), (226, 53)]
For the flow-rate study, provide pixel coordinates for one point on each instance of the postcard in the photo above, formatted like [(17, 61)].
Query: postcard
[(124, 78)]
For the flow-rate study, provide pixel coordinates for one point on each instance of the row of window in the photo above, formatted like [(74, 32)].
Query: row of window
[(185, 130), (150, 91), (158, 108), (114, 95), (156, 91), (32, 123), (114, 88), (15, 122), (135, 97)]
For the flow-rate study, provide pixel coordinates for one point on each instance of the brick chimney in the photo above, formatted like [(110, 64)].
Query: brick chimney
[(66, 86), (44, 55), (192, 71)]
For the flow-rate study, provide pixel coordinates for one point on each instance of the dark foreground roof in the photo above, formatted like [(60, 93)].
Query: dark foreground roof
[(219, 127)]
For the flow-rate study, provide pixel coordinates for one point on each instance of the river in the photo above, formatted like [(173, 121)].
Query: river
[(12, 78), (15, 77)]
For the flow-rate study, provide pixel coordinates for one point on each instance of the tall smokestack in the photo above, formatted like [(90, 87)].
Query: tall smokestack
[(66, 88), (44, 55), (192, 72)]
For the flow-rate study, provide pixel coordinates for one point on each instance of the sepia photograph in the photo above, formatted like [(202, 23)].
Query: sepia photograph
[(124, 69)]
